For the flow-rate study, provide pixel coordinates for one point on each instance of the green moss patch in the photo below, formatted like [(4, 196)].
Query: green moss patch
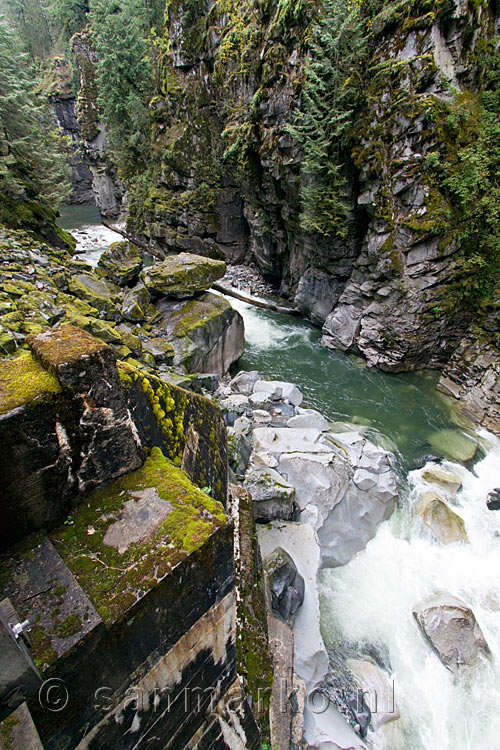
[(114, 581), (22, 380), (64, 345)]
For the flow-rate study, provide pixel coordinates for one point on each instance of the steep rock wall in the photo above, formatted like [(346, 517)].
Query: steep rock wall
[(81, 181), (107, 189), (227, 171)]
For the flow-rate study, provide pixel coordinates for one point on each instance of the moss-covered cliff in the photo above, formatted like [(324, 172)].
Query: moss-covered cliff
[(350, 148)]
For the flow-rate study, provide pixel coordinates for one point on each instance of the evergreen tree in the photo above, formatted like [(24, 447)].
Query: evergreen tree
[(67, 17), (125, 80), (32, 161), (331, 94), (29, 18)]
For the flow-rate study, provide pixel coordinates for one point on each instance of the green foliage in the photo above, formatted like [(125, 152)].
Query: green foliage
[(332, 92), (29, 19), (32, 159), (67, 17), (124, 70), (467, 176)]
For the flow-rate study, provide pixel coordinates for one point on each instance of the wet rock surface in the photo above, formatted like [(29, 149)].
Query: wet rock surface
[(453, 632), (286, 583)]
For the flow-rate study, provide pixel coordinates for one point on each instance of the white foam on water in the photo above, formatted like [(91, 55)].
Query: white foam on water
[(370, 601)]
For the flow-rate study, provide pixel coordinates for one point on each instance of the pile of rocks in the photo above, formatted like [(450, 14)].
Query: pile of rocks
[(249, 280), (299, 467), (161, 317)]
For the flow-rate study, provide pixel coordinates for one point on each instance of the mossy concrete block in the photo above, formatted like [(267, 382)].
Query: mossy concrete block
[(163, 414), (45, 593), (147, 607), (135, 531), (183, 275), (64, 426), (122, 263)]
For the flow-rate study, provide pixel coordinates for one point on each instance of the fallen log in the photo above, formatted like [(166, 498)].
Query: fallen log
[(138, 243), (255, 302)]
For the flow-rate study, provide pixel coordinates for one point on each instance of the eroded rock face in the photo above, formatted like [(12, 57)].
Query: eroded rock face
[(181, 276), (106, 186), (473, 376), (382, 290), (453, 632)]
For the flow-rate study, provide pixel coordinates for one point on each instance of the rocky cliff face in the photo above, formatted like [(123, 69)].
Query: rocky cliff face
[(108, 191), (228, 172), (81, 182)]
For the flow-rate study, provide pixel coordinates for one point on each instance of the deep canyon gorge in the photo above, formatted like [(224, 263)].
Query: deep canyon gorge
[(250, 424)]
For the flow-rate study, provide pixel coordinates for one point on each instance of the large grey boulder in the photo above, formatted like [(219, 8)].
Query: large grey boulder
[(344, 486), (272, 496), (122, 263), (320, 480), (453, 632), (181, 276), (286, 584)]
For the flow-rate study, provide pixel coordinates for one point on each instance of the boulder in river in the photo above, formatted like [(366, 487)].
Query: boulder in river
[(286, 583), (444, 523), (454, 444), (453, 632), (182, 276), (493, 499), (445, 479), (122, 262), (272, 496)]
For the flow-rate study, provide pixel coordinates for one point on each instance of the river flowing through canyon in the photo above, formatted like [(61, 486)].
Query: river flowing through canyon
[(366, 605)]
